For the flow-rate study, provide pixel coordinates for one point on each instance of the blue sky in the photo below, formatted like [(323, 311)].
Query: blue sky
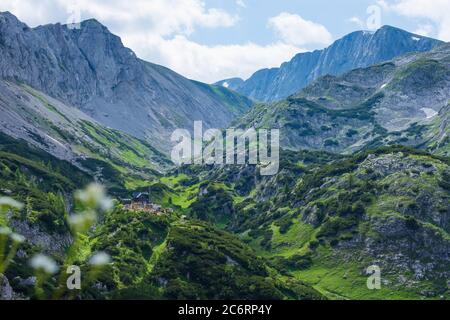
[(210, 40), (252, 25)]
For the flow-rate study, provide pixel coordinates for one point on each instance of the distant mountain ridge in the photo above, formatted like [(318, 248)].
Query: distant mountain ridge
[(76, 106), (356, 50), (402, 101), (90, 69)]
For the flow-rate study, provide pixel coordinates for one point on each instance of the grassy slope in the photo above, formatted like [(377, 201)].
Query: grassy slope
[(40, 181), (356, 111), (238, 104), (135, 159), (394, 197), (167, 258), (274, 216), (285, 235)]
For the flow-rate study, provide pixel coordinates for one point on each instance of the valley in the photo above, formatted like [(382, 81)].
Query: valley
[(363, 179)]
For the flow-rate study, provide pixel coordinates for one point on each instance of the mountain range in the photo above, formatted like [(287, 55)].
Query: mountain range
[(356, 50), (403, 101), (90, 69), (363, 180)]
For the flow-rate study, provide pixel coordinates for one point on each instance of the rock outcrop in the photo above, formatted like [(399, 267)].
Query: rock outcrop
[(358, 49), (89, 68)]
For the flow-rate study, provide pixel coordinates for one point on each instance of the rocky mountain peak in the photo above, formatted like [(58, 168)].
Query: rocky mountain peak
[(8, 18), (355, 50), (10, 25), (90, 68)]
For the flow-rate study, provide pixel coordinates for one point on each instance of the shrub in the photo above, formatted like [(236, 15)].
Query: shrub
[(350, 133), (284, 223), (331, 143), (412, 224)]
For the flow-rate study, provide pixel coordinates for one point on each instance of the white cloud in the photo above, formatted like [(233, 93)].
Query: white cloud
[(383, 4), (163, 17), (436, 11), (212, 63), (159, 31), (33, 12), (426, 30), (358, 22), (295, 30), (241, 3)]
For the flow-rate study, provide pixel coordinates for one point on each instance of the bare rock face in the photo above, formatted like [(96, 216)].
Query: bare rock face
[(89, 68), (403, 101), (6, 292), (356, 50), (49, 243)]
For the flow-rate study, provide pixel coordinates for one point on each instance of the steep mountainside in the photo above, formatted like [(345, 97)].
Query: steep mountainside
[(41, 181), (155, 256), (438, 134), (232, 83), (90, 69), (187, 260), (401, 101), (69, 134), (358, 49), (77, 107), (325, 219)]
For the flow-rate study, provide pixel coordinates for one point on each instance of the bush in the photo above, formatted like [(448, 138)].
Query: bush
[(412, 224), (334, 226), (444, 183), (313, 245), (284, 223), (350, 133), (331, 143)]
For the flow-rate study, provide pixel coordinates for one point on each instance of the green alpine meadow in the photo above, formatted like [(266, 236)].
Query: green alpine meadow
[(93, 205)]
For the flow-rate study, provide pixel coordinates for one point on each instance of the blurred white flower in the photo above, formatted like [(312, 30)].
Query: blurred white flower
[(93, 193), (18, 238), (100, 259), (94, 196), (107, 204), (10, 203), (82, 221), (42, 262), (5, 231)]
